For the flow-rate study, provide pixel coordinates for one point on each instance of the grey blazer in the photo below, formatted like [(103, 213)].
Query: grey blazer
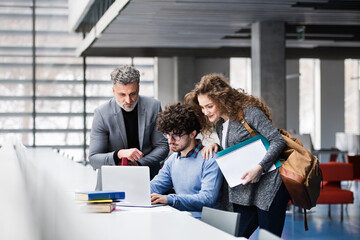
[(108, 135)]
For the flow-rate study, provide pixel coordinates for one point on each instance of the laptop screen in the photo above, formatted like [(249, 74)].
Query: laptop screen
[(134, 181)]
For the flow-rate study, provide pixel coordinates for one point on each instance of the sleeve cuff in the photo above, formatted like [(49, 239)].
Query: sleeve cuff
[(170, 200), (138, 162), (116, 159), (264, 168)]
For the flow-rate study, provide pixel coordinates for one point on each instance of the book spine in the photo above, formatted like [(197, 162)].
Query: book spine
[(118, 195)]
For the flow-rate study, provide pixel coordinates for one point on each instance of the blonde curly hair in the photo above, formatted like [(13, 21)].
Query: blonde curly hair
[(231, 101)]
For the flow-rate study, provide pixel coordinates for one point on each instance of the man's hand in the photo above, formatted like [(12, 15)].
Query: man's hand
[(157, 198), (253, 175), (207, 151), (131, 154)]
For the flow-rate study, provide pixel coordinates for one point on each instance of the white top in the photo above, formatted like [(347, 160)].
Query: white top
[(224, 133)]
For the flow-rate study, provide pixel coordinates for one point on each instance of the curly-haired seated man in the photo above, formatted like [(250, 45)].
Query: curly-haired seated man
[(196, 182)]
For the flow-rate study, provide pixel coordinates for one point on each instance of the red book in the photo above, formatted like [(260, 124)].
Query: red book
[(124, 161)]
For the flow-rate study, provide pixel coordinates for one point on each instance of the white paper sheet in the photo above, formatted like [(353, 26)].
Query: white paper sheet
[(235, 163)]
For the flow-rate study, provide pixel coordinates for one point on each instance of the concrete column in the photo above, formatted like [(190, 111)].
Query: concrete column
[(292, 95), (189, 71), (268, 67), (331, 101), (165, 85), (174, 77), (212, 65), (185, 77)]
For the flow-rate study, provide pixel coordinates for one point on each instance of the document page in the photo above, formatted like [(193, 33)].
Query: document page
[(237, 160)]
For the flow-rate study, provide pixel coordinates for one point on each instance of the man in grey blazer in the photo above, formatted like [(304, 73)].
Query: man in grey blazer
[(125, 127)]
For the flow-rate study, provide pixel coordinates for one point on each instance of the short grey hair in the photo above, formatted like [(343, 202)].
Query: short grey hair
[(125, 74)]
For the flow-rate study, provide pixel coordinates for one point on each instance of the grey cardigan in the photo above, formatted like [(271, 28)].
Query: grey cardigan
[(262, 193)]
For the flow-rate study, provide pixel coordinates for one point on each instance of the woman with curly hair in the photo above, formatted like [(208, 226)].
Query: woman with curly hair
[(262, 198)]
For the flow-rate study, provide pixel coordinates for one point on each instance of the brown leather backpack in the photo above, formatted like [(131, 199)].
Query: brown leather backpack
[(300, 172)]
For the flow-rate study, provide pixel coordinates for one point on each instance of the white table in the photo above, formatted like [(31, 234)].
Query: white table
[(58, 217), (349, 142), (323, 151), (169, 224)]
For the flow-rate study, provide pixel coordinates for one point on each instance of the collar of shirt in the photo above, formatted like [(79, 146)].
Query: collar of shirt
[(193, 152)]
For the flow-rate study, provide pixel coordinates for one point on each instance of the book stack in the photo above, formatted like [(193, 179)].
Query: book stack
[(98, 201)]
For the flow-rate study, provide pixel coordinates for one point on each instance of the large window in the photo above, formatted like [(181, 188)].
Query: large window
[(310, 99), (44, 99), (240, 73), (352, 96)]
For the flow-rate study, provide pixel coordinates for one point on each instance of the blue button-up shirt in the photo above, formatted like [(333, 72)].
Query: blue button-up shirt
[(196, 181)]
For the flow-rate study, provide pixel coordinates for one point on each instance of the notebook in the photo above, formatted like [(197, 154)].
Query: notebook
[(134, 181)]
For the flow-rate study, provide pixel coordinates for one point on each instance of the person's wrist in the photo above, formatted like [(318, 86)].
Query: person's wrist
[(169, 200), (260, 168), (119, 154), (117, 160)]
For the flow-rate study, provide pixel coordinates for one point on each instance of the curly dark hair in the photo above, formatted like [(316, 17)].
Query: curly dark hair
[(178, 118), (231, 101)]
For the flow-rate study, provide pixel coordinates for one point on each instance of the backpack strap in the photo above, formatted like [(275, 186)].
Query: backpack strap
[(246, 125)]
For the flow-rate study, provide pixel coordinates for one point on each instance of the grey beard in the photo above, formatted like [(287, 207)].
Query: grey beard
[(122, 105)]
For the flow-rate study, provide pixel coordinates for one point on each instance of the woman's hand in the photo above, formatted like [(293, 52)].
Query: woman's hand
[(208, 151), (253, 175)]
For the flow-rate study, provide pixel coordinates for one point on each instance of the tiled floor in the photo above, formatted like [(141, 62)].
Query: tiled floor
[(323, 227)]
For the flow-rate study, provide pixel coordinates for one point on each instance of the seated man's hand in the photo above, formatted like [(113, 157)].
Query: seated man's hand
[(158, 198), (207, 151), (131, 154)]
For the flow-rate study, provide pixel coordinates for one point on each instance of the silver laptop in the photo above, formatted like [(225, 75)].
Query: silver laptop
[(134, 181)]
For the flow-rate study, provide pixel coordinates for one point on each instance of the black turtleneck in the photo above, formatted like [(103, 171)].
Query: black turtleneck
[(132, 131), (131, 126)]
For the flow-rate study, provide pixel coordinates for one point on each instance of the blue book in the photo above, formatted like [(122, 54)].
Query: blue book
[(99, 195)]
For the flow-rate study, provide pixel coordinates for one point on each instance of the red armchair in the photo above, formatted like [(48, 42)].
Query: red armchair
[(333, 156), (332, 193), (355, 161)]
